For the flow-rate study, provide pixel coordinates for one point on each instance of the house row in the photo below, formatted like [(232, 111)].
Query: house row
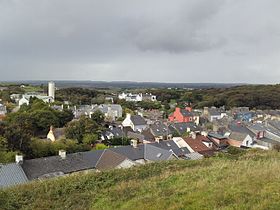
[(135, 126), (137, 97), (135, 154), (184, 115), (111, 111), (252, 135)]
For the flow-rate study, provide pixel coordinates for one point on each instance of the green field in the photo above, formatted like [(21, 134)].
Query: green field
[(248, 180)]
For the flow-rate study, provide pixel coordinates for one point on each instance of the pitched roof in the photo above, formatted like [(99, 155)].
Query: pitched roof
[(194, 156), (154, 153), (197, 144), (182, 127), (186, 113), (240, 128), (159, 129), (148, 135), (11, 174), (134, 135), (41, 167), (171, 145), (115, 131), (130, 152), (238, 136), (138, 120), (109, 160)]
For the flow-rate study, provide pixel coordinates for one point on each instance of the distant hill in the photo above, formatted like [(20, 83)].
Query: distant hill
[(129, 84), (246, 180)]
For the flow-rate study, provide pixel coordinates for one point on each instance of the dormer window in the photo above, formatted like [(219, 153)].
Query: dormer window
[(159, 155)]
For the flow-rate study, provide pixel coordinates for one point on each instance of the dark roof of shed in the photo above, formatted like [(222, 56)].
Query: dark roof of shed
[(130, 152), (36, 168), (138, 120), (109, 160), (11, 174)]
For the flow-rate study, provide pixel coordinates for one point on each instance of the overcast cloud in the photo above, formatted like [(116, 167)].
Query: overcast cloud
[(140, 40)]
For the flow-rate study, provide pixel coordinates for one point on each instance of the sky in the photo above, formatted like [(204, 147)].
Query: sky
[(220, 41)]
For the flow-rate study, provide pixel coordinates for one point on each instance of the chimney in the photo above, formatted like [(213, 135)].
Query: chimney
[(193, 134), (128, 115), (134, 143), (62, 154), (204, 133), (19, 159)]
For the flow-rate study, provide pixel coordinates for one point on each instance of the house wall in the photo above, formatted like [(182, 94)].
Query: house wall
[(247, 142), (234, 143), (178, 117)]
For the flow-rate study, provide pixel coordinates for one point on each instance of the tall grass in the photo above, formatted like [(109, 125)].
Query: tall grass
[(248, 181)]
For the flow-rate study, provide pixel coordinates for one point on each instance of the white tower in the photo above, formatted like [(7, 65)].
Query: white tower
[(52, 89)]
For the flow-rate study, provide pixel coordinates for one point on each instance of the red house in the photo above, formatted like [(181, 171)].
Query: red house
[(182, 115)]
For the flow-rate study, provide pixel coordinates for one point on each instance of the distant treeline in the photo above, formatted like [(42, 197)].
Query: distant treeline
[(253, 96)]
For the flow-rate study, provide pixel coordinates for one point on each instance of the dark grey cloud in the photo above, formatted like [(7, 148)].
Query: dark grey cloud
[(176, 41)]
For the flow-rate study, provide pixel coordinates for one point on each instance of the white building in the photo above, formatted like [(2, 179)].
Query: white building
[(25, 99), (137, 97), (136, 122), (51, 90)]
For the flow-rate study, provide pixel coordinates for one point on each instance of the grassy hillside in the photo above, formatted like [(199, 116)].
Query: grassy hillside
[(247, 181)]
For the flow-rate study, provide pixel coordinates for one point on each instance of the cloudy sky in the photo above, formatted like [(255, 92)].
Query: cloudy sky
[(140, 40)]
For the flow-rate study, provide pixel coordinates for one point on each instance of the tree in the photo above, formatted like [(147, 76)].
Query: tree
[(90, 139), (98, 117), (3, 144), (18, 139), (75, 130)]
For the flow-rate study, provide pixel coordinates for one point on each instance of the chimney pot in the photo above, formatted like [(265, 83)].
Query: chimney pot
[(19, 159), (62, 154), (134, 143)]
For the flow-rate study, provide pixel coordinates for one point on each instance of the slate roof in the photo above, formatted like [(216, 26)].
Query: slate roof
[(186, 113), (183, 126), (40, 167), (171, 145), (216, 135), (275, 124), (240, 128), (115, 131), (134, 135), (127, 129), (238, 136), (159, 129), (130, 152), (138, 120), (154, 153), (109, 160), (148, 135), (11, 174), (261, 127), (194, 156)]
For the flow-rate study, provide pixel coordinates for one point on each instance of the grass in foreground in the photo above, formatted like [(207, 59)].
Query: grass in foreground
[(247, 181)]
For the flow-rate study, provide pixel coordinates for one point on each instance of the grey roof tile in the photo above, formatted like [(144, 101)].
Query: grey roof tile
[(154, 153), (11, 174), (40, 167)]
